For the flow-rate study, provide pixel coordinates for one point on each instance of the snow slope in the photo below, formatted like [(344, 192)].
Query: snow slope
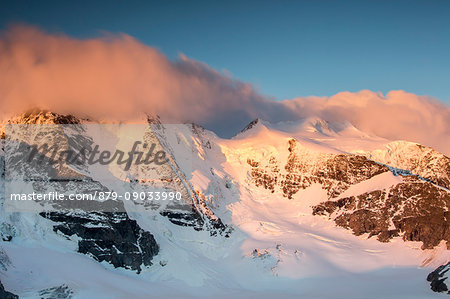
[(276, 247)]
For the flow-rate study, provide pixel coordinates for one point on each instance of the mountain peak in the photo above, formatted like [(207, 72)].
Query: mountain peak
[(251, 125), (38, 116), (42, 116)]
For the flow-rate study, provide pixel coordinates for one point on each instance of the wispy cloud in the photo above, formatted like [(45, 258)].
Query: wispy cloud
[(117, 77)]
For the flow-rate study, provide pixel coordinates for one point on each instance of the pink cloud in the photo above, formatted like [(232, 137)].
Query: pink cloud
[(398, 115), (116, 77)]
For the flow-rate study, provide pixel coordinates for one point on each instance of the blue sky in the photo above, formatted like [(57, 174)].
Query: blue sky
[(284, 48)]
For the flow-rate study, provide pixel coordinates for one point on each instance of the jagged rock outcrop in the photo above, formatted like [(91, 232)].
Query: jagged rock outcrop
[(58, 292), (251, 125), (5, 294), (104, 229), (335, 173), (191, 210), (40, 116), (110, 237), (416, 210), (438, 279)]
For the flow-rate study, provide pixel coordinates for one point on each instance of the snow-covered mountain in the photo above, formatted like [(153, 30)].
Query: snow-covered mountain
[(309, 208)]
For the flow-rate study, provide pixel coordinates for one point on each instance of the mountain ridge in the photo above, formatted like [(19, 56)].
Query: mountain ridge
[(262, 205)]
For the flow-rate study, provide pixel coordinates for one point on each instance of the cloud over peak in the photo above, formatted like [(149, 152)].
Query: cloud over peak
[(117, 77)]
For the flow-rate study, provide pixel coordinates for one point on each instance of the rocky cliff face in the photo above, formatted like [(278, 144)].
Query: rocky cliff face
[(104, 230), (416, 209), (243, 182), (304, 167), (192, 210), (103, 234), (110, 237)]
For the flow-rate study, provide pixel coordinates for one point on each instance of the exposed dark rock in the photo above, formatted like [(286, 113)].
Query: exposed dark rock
[(110, 237), (5, 262), (7, 231), (438, 278), (184, 218), (418, 211), (153, 119), (258, 253), (335, 173), (191, 210), (250, 125), (39, 116), (58, 292), (187, 215), (5, 294)]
